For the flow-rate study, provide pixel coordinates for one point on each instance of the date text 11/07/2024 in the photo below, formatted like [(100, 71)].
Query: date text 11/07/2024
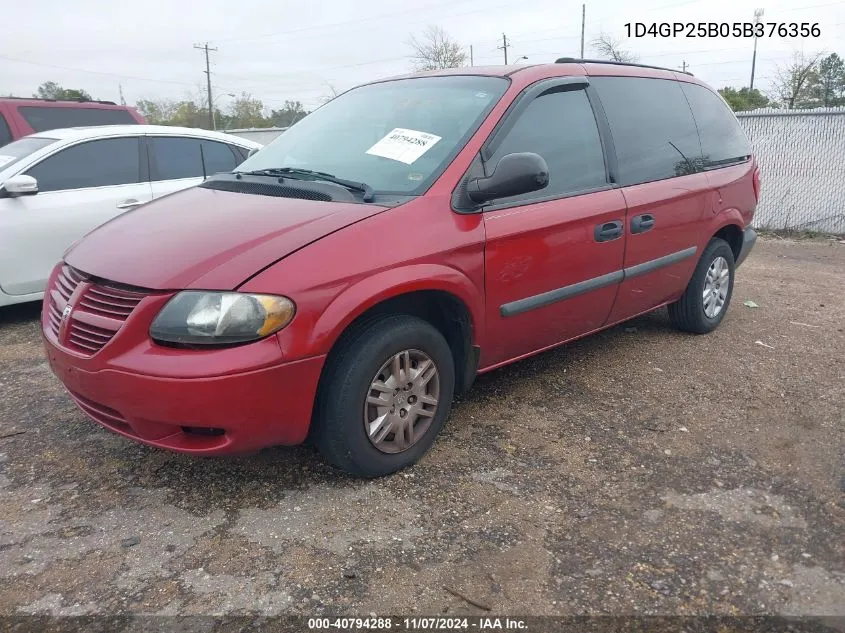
[(723, 29), (421, 623)]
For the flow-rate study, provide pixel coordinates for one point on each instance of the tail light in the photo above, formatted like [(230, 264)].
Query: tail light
[(755, 179)]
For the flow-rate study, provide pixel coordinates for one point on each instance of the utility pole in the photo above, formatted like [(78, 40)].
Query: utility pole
[(120, 90), (204, 47), (504, 47), (471, 60), (684, 66), (758, 13), (583, 20)]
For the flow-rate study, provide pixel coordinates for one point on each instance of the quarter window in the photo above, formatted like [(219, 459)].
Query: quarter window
[(722, 140), (560, 127), (180, 157), (113, 161), (653, 130)]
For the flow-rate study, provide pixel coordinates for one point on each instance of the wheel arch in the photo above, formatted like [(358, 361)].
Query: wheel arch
[(442, 296), (729, 226)]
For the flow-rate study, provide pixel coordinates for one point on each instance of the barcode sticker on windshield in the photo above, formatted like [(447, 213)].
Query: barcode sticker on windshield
[(403, 145), (6, 159)]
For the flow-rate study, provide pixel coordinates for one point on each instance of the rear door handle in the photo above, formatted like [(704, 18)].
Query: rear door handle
[(608, 231), (642, 223), (128, 204)]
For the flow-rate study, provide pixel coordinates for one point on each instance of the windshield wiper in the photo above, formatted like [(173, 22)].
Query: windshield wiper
[(310, 174)]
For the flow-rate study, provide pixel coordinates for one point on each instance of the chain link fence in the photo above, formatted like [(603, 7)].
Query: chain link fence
[(802, 168)]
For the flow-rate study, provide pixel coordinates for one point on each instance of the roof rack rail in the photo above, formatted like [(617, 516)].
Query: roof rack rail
[(575, 60), (77, 100)]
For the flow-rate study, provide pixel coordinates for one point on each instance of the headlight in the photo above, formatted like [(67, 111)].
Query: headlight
[(219, 318)]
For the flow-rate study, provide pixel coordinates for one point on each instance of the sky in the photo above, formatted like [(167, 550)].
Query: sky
[(277, 49)]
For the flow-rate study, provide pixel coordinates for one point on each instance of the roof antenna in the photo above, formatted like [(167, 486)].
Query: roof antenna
[(202, 160)]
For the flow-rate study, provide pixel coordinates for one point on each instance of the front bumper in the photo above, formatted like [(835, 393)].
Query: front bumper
[(749, 238), (233, 413)]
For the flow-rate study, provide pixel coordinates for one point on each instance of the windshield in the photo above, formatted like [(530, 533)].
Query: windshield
[(13, 152), (395, 136)]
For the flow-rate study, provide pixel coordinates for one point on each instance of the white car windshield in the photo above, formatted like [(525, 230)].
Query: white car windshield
[(395, 136), (13, 152)]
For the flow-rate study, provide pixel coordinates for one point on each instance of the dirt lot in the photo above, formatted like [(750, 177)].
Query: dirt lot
[(638, 471)]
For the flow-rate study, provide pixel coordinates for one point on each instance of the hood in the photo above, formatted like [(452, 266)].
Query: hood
[(203, 238)]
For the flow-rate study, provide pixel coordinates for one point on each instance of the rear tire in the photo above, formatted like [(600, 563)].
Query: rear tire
[(365, 389), (708, 295)]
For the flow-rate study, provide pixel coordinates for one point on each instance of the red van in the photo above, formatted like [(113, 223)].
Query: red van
[(19, 117), (346, 281)]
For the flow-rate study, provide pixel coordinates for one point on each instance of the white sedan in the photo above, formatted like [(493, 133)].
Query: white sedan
[(58, 185)]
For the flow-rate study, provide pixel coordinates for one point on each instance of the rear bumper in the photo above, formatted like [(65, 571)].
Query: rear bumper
[(247, 410), (749, 238)]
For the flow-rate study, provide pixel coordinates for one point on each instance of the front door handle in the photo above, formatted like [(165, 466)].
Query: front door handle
[(129, 204), (642, 223), (608, 231)]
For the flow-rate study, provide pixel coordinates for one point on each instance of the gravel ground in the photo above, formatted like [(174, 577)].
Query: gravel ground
[(640, 470)]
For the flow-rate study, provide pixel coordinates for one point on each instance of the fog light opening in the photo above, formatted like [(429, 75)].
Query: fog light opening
[(205, 431)]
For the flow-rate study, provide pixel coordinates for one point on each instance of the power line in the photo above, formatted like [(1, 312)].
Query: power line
[(95, 72)]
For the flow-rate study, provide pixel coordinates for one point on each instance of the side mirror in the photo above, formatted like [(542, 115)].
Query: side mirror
[(515, 174), (20, 185), (252, 152)]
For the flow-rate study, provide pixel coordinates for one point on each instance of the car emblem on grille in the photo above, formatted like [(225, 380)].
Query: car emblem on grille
[(66, 312)]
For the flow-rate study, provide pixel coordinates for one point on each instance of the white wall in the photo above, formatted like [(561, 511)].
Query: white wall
[(802, 167), (261, 135)]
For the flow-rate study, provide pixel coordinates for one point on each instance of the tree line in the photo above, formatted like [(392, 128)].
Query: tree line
[(243, 112)]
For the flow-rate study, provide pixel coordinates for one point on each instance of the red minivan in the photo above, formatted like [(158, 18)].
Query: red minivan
[(346, 281), (19, 117)]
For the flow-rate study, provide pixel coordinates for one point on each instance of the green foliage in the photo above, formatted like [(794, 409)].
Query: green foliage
[(185, 113), (744, 99), (811, 81), (52, 90), (246, 112), (289, 114), (157, 112), (827, 84)]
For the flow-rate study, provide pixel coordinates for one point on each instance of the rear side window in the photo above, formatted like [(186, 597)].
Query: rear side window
[(652, 126), (179, 157), (560, 127), (722, 140), (102, 163), (46, 118), (5, 132)]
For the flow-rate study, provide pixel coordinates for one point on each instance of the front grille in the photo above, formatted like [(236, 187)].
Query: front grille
[(98, 312), (88, 337), (110, 302)]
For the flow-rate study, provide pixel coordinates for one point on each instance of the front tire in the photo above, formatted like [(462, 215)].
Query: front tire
[(384, 397), (708, 295)]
